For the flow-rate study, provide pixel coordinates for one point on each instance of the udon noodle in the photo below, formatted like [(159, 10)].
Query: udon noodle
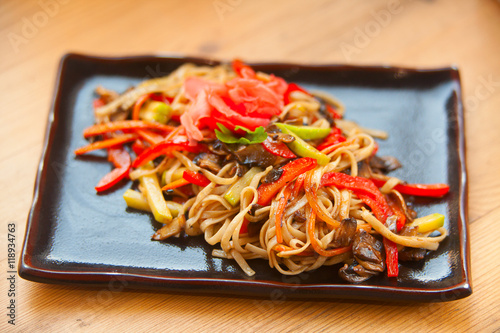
[(328, 211)]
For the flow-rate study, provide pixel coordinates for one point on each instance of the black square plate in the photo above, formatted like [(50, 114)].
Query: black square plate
[(75, 236)]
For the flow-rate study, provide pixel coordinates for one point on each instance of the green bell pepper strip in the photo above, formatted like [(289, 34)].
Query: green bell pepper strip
[(302, 148), (308, 132)]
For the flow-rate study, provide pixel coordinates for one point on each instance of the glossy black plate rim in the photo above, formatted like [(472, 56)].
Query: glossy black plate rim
[(246, 288)]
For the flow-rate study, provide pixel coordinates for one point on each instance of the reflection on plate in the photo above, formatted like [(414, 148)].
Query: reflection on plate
[(75, 236)]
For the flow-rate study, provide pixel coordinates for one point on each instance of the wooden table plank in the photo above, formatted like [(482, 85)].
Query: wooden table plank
[(93, 308), (414, 34)]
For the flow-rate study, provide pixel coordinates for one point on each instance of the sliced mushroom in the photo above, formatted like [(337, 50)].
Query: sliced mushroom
[(345, 234), (368, 248), (252, 155), (385, 163), (209, 161), (368, 259), (411, 254), (355, 273), (273, 175), (172, 228)]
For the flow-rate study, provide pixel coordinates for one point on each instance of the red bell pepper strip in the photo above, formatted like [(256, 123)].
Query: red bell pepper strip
[(290, 171), (188, 177), (161, 97), (242, 69), (98, 102), (138, 104), (125, 125), (138, 147), (380, 211), (357, 184), (291, 88), (423, 190), (333, 138), (366, 190), (164, 148), (278, 148), (375, 148), (398, 212), (116, 141), (244, 226), (391, 258), (391, 249), (121, 160), (333, 112), (196, 178)]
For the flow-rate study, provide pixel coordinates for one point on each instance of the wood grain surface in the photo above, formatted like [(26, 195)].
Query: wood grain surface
[(433, 33)]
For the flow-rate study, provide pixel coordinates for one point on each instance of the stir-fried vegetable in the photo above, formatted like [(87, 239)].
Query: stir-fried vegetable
[(121, 160), (159, 112), (109, 143), (138, 105), (363, 187), (333, 138), (233, 193), (155, 198), (170, 229), (196, 178), (424, 190), (278, 148), (164, 148), (290, 171), (283, 201), (308, 132), (316, 246), (290, 89), (124, 125), (429, 222), (302, 148), (226, 136), (227, 153), (175, 184), (137, 200), (391, 258)]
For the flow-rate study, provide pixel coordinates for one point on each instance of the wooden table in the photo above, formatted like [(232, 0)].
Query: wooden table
[(35, 34)]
